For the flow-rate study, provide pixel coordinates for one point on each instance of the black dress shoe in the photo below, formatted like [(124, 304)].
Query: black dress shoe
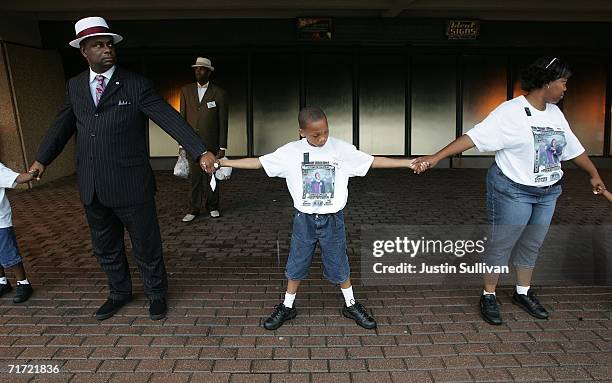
[(359, 314), (110, 307), (158, 309), (22, 293), (530, 304), (5, 288), (280, 314), (489, 310)]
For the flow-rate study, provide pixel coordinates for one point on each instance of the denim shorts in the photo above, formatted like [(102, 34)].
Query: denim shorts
[(328, 231), (9, 253), (519, 216)]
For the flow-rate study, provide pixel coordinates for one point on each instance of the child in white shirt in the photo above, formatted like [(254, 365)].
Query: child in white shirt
[(317, 169), (9, 253)]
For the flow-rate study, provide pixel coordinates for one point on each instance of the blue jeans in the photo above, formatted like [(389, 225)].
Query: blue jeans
[(9, 253), (328, 231), (519, 216)]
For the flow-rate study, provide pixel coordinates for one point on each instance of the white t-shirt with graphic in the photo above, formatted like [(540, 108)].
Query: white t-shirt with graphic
[(529, 144), (7, 180), (317, 177)]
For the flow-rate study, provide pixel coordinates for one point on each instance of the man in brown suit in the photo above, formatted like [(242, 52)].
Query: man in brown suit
[(204, 106)]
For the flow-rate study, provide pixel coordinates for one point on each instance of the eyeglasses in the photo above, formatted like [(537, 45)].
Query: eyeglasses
[(550, 63)]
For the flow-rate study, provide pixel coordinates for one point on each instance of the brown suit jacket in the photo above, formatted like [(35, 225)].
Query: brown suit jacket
[(208, 120)]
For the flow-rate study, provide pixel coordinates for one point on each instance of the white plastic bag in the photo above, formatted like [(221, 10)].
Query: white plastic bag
[(223, 173), (181, 169)]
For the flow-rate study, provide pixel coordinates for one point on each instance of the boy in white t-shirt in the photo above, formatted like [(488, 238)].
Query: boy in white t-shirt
[(317, 169), (9, 253)]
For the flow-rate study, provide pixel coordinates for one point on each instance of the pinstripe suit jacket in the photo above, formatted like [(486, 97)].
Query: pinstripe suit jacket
[(112, 157)]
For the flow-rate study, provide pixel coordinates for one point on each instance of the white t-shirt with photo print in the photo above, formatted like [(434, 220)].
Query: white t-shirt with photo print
[(7, 180), (317, 177), (529, 144)]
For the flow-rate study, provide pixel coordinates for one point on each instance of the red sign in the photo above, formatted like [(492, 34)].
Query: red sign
[(314, 28)]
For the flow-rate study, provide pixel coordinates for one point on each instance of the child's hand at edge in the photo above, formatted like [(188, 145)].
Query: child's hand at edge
[(26, 177)]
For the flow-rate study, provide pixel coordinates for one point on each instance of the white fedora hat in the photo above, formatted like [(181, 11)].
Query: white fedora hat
[(92, 26), (203, 61)]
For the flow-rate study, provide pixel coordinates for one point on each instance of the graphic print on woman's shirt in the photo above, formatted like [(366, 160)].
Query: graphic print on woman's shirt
[(318, 182), (548, 148), (529, 144)]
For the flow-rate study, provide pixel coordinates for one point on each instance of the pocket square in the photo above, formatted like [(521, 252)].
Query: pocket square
[(124, 102)]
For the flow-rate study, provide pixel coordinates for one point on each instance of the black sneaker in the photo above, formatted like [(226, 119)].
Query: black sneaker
[(22, 292), (110, 307), (359, 314), (489, 310), (158, 309), (5, 288), (280, 314), (530, 304)]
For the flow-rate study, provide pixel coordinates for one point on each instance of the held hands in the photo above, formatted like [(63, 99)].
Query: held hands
[(36, 170), (600, 188), (422, 164), (598, 185), (207, 162), (26, 177)]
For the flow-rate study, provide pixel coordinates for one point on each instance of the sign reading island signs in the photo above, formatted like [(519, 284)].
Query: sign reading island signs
[(314, 28), (463, 29)]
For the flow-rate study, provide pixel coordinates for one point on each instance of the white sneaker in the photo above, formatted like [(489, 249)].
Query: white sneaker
[(188, 218), (215, 214)]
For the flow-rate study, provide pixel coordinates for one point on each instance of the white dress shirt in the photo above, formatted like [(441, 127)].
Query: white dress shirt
[(201, 90), (93, 83)]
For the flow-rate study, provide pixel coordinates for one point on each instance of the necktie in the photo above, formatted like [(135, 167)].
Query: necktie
[(99, 87)]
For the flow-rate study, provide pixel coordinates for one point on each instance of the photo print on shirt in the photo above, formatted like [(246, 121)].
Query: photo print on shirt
[(548, 148), (318, 183)]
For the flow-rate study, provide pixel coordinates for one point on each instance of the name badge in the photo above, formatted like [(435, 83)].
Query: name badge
[(211, 104)]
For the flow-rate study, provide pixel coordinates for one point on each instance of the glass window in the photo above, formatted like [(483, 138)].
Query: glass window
[(484, 88), (433, 103), (169, 74), (584, 103), (231, 74), (382, 104), (275, 100), (328, 81)]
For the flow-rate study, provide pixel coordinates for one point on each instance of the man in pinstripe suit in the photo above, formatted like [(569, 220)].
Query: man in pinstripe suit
[(107, 108)]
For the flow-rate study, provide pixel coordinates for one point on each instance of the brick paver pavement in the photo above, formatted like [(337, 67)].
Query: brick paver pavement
[(225, 277)]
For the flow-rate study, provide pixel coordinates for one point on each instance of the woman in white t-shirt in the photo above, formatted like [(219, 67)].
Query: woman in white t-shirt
[(530, 137)]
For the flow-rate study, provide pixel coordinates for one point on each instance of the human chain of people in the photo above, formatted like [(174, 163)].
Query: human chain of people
[(107, 108)]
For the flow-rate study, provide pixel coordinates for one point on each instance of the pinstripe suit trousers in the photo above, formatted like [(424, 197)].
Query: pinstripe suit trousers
[(107, 226)]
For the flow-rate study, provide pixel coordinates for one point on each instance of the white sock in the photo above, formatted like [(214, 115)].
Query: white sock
[(349, 299), (522, 289), (485, 292), (289, 298), (24, 282), (3, 281)]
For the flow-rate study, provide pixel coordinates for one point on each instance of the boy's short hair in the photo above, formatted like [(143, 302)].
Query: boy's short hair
[(310, 114), (543, 71)]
